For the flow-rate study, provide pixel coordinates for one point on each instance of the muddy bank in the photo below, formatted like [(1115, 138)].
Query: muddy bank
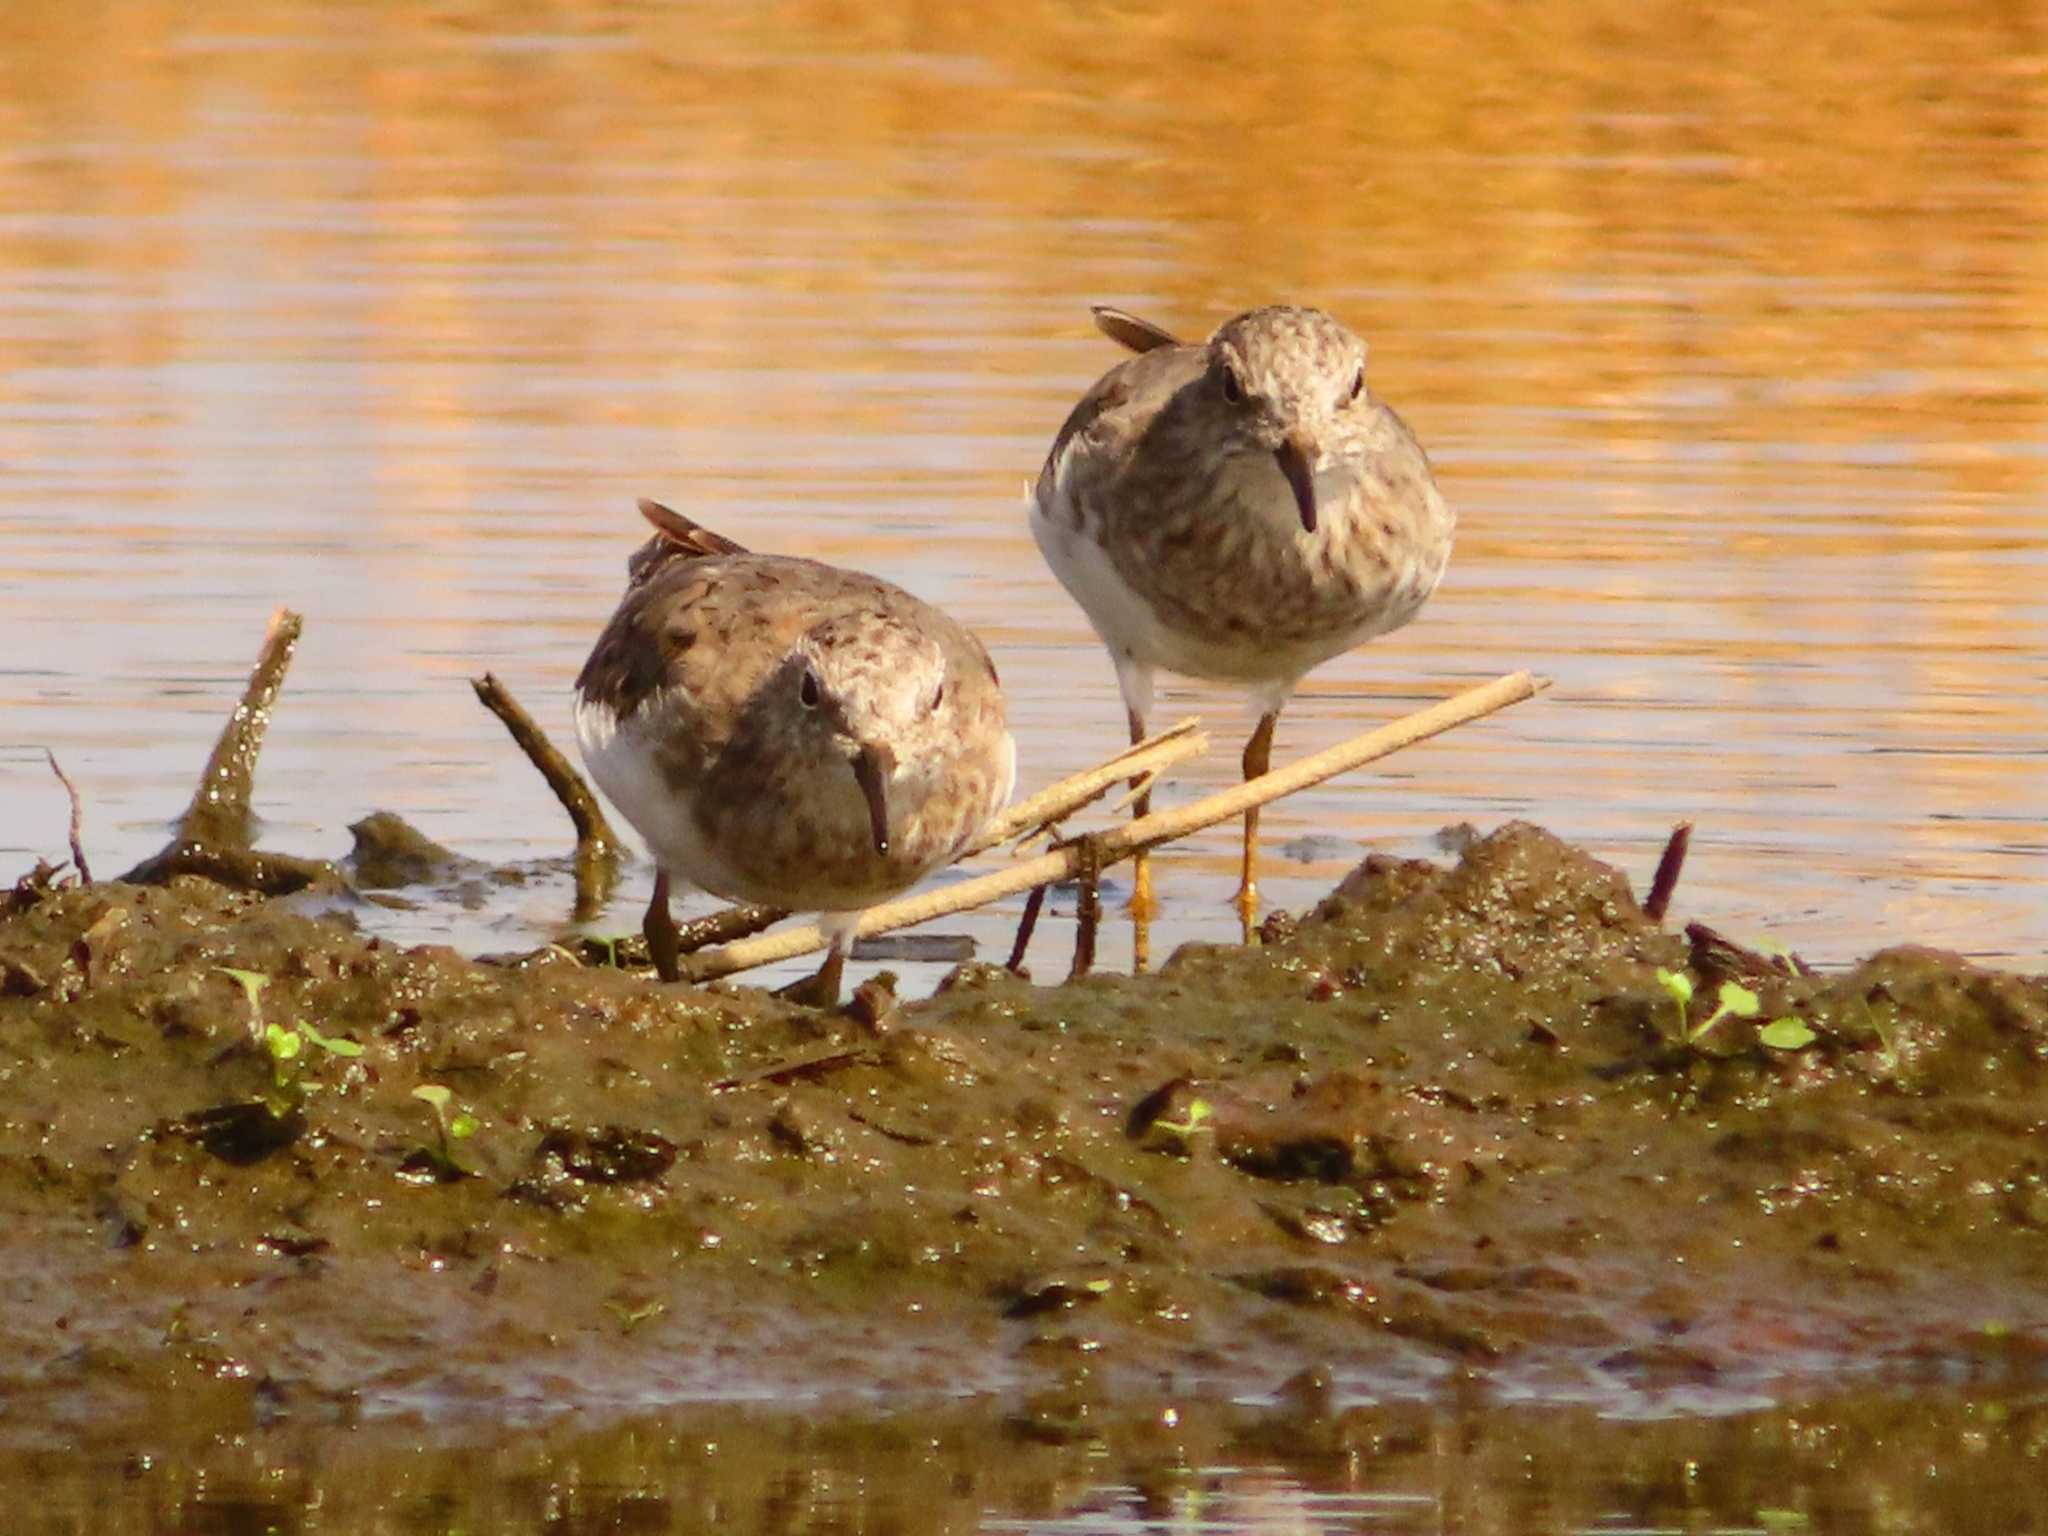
[(1447, 1130)]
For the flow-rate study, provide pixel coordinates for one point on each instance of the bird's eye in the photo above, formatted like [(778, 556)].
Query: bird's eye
[(938, 698), (1233, 386), (807, 690), (1357, 387)]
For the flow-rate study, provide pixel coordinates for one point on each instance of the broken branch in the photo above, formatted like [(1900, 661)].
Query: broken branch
[(594, 835)]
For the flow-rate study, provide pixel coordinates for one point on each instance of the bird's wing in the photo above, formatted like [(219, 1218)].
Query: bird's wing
[(676, 537), (1127, 330), (1117, 410)]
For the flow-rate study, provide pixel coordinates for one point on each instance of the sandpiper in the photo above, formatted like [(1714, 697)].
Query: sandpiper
[(1239, 510), (786, 732)]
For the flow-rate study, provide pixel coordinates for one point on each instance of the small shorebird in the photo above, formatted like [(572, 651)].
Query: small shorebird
[(785, 732), (1240, 510)]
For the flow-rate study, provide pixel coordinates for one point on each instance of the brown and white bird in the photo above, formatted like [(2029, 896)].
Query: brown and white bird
[(1239, 510), (786, 732)]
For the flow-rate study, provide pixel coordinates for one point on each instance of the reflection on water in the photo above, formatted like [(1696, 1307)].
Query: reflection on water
[(1725, 328), (1955, 1464)]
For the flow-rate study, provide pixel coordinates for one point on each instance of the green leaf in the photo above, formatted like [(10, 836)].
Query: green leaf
[(252, 983), (1786, 1034), (463, 1125), (282, 1043), (434, 1094), (1677, 983), (1739, 1001), (329, 1043)]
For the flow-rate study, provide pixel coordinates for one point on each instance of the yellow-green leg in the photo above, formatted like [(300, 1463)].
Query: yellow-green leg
[(1258, 757)]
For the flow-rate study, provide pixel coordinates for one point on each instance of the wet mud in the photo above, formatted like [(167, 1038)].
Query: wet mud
[(1447, 1132)]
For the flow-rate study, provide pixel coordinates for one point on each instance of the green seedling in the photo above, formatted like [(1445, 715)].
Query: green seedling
[(1731, 1001), (632, 1317), (1786, 1034), (1679, 986), (287, 1046), (1888, 1043), (1199, 1112), (252, 984), (459, 1126)]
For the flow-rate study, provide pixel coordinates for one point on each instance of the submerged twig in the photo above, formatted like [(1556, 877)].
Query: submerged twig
[(1145, 832), (77, 820), (1665, 881)]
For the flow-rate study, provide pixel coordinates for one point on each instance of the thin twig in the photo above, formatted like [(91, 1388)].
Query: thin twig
[(1145, 832), (77, 820), (1087, 908), (1176, 744), (594, 834), (1026, 926), (1665, 881)]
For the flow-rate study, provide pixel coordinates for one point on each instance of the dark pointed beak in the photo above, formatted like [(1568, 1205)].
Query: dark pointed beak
[(1297, 457), (871, 769)]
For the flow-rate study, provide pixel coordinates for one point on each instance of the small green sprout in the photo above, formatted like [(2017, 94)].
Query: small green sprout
[(632, 1317), (252, 984), (333, 1045), (1199, 1110), (1679, 986), (287, 1046), (1786, 1034), (1888, 1043), (1731, 1001), (459, 1126)]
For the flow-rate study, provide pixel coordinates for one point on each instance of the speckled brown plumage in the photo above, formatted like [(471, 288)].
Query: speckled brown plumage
[(1240, 509), (734, 701)]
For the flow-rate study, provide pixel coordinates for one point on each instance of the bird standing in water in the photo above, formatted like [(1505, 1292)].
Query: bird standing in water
[(1239, 510)]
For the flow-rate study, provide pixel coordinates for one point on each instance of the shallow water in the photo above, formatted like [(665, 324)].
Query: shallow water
[(1946, 1460), (1726, 334)]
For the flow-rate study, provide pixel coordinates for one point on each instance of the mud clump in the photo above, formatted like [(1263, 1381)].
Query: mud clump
[(1451, 1122)]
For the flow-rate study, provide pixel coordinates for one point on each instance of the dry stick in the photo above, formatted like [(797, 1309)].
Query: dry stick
[(1665, 881), (594, 835), (1156, 753), (1147, 832), (77, 820)]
